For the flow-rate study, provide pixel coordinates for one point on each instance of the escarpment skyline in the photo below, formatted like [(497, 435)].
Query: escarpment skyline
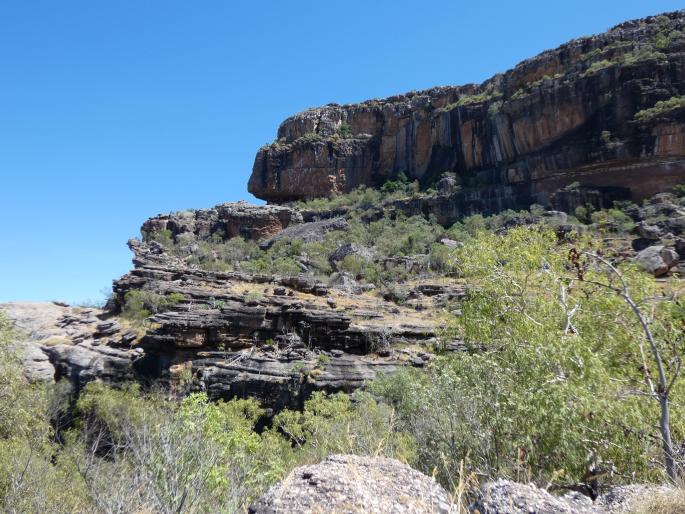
[(605, 111)]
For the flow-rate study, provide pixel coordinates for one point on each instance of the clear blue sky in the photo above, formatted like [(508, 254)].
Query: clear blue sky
[(114, 111)]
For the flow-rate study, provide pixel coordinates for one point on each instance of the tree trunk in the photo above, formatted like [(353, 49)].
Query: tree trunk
[(665, 427)]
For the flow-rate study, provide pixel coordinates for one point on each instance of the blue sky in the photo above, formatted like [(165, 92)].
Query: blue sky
[(111, 112)]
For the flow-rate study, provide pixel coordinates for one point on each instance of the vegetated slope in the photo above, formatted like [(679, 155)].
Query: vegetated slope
[(605, 110), (485, 351)]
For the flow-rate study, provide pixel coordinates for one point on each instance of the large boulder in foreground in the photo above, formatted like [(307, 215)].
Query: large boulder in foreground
[(351, 484)]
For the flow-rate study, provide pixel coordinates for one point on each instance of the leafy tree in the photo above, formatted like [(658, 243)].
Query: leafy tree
[(552, 385), (662, 334), (340, 423)]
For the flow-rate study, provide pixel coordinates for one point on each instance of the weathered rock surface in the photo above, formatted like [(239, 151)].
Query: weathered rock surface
[(347, 250), (39, 321), (657, 259), (507, 497), (311, 232), (237, 335), (35, 363), (59, 341), (351, 484), (252, 222), (347, 483), (567, 115)]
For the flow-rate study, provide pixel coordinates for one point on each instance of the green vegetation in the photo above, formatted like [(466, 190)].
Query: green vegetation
[(598, 66), (344, 131), (164, 237), (555, 381), (486, 96), (664, 38), (660, 108), (641, 55), (310, 137), (559, 377), (140, 304), (164, 455)]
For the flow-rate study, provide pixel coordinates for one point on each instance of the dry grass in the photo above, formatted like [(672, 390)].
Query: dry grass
[(350, 303), (55, 340), (671, 502)]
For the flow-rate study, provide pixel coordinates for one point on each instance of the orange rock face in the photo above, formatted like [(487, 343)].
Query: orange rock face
[(567, 115)]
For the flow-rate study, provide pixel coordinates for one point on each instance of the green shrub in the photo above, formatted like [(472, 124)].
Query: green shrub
[(141, 304), (613, 220), (660, 108), (164, 237), (344, 424), (553, 382), (598, 66), (441, 258), (584, 213), (31, 478), (195, 456), (642, 54), (344, 131)]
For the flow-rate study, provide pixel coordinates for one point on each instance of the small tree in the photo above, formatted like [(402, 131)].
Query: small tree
[(659, 387), (552, 385)]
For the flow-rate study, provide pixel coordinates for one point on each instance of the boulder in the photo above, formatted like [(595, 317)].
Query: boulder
[(507, 497), (647, 231), (657, 259), (352, 484), (35, 363), (555, 218), (349, 249), (311, 232), (450, 243), (346, 283)]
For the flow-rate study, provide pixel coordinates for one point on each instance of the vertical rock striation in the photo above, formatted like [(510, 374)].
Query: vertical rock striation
[(585, 112)]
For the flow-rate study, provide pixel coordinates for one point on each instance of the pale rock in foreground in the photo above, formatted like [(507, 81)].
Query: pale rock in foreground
[(507, 497), (352, 484)]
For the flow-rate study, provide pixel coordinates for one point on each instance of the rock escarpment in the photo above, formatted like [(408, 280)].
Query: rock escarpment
[(57, 341), (270, 337), (230, 334), (585, 112)]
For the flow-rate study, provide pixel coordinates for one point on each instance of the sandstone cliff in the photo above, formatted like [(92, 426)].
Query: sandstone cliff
[(585, 112)]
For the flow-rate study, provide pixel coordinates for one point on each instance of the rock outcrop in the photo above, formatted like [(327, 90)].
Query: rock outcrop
[(58, 341), (352, 484), (224, 221), (585, 112), (274, 338), (507, 497)]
